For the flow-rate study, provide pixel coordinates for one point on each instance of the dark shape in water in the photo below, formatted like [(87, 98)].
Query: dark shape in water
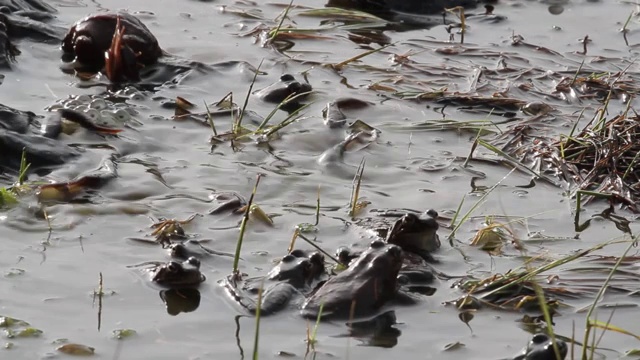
[(180, 300), (15, 120), (27, 5), (378, 331), (177, 275), (8, 51), (193, 248), (287, 86), (296, 273), (363, 288), (410, 13), (389, 7), (40, 152), (20, 19), (541, 348), (89, 39), (125, 49)]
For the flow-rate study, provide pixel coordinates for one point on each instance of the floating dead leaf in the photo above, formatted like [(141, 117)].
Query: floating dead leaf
[(381, 87), (76, 350), (183, 107), (257, 214), (493, 236)]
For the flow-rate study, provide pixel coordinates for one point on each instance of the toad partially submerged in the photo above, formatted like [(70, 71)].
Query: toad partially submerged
[(413, 232), (295, 274), (286, 88), (388, 270), (175, 274), (363, 288), (541, 348)]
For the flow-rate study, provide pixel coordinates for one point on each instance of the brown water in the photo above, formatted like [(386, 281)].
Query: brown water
[(50, 283)]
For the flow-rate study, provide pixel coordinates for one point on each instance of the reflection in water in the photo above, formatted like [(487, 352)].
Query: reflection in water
[(180, 300), (237, 335), (378, 331)]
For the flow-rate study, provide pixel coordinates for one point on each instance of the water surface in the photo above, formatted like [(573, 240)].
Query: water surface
[(49, 282)]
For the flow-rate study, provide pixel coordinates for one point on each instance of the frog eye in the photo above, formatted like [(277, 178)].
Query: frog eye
[(317, 258), (288, 258), (294, 87), (178, 250), (173, 266), (539, 338), (343, 252), (409, 219), (193, 262), (377, 244), (298, 253), (287, 77), (394, 251), (432, 213), (402, 279)]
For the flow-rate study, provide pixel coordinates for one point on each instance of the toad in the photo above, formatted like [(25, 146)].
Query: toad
[(296, 273), (174, 274), (364, 287)]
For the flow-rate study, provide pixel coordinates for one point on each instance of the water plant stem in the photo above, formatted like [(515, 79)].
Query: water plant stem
[(243, 225)]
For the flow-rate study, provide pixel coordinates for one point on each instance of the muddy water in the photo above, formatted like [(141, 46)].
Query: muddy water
[(48, 280)]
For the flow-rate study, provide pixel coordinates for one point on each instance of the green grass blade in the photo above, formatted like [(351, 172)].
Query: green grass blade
[(243, 225)]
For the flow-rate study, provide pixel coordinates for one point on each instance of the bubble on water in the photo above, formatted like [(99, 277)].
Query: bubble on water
[(136, 97), (84, 98), (93, 114), (521, 193), (54, 107), (81, 108), (98, 104), (107, 115), (121, 115), (71, 104)]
